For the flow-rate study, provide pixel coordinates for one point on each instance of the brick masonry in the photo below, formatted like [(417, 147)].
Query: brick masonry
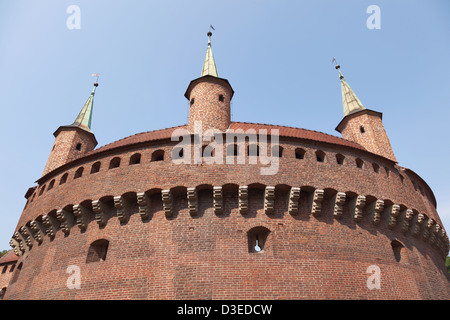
[(206, 255)]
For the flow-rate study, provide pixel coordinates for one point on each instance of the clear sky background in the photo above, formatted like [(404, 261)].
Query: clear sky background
[(276, 54)]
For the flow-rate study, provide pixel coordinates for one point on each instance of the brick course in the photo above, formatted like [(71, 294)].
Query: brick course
[(206, 256)]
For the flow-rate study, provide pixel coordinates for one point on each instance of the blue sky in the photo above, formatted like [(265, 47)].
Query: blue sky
[(276, 54)]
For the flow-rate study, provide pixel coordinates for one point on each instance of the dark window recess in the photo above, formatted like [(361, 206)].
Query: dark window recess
[(277, 151), (221, 98), (78, 173), (158, 155), (257, 237), (64, 178), (95, 167), (97, 251), (320, 156), (192, 101), (135, 159), (397, 248), (115, 163), (359, 163), (361, 128), (78, 147), (299, 153), (253, 150)]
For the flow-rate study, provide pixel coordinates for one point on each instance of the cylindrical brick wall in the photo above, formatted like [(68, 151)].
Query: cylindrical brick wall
[(172, 236), (209, 104)]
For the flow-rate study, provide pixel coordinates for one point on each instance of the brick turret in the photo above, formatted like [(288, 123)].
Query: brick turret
[(209, 97), (75, 140), (361, 125)]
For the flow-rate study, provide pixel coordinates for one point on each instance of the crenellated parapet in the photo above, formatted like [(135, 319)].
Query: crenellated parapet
[(82, 215), (294, 196), (143, 202), (269, 200), (218, 200), (243, 200), (122, 206), (167, 200), (339, 200), (316, 208), (393, 217)]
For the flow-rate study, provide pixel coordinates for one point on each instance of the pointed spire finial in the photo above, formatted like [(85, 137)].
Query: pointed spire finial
[(209, 66), (84, 118), (350, 101)]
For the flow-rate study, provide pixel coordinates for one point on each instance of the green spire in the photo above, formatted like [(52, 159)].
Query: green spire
[(85, 116), (350, 101), (209, 66)]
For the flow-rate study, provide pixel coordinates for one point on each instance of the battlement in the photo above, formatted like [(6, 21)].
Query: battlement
[(304, 202)]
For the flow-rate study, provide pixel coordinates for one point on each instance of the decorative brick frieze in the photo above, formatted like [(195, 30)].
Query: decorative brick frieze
[(339, 200), (100, 211), (243, 200), (192, 201), (167, 203), (316, 207), (144, 202), (294, 197), (122, 206), (269, 200), (66, 220), (394, 212), (359, 206), (82, 215), (218, 200)]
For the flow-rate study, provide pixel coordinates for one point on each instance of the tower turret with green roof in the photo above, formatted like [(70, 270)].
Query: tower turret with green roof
[(361, 125), (209, 98), (74, 140)]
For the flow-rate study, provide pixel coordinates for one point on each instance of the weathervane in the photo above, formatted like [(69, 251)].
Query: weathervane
[(96, 81)]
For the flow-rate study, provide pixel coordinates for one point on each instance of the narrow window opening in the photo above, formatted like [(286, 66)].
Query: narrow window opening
[(397, 249), (376, 167), (78, 147), (135, 159), (158, 155), (42, 190), (232, 150), (97, 251), (51, 185), (320, 156), (64, 178), (253, 150), (95, 167), (361, 128), (79, 173), (340, 159), (115, 163), (277, 151), (221, 98), (207, 152), (359, 163), (177, 153), (192, 101), (299, 153), (257, 237)]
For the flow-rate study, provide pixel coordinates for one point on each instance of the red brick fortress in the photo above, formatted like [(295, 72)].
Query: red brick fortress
[(135, 224)]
